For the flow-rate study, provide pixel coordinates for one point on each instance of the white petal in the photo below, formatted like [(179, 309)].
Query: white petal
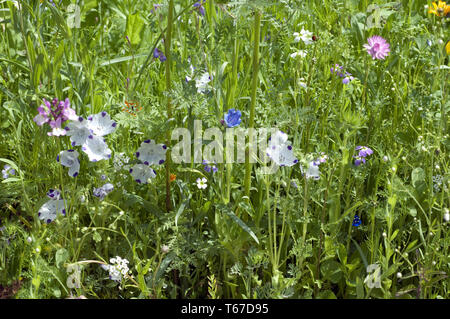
[(151, 153), (101, 124), (68, 158), (282, 155), (50, 209), (78, 131), (96, 149), (142, 173), (278, 138), (313, 171)]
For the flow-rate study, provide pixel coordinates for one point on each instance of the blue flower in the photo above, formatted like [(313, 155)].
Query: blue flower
[(210, 167), (199, 6), (158, 54), (356, 221), (233, 118)]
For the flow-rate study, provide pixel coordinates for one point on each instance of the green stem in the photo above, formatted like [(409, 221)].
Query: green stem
[(167, 44), (248, 165)]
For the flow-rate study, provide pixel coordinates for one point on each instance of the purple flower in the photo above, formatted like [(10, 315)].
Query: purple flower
[(101, 192), (233, 118), (158, 54), (199, 6), (359, 160), (54, 114), (377, 47), (7, 170), (338, 69), (364, 151), (208, 168)]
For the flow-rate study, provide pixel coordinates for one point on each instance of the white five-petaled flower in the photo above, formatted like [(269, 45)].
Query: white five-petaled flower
[(150, 153), (142, 173), (70, 159), (78, 131), (88, 133), (101, 124), (202, 183), (280, 151), (49, 211), (304, 35)]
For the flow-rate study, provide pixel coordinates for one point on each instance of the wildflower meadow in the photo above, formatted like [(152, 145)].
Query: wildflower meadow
[(214, 149)]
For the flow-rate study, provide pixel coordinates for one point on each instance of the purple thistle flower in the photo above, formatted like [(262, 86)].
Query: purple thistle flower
[(377, 47)]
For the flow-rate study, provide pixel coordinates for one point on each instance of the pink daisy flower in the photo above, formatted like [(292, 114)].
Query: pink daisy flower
[(378, 48)]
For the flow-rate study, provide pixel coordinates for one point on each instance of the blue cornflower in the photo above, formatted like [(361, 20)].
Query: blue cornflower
[(356, 221), (233, 118)]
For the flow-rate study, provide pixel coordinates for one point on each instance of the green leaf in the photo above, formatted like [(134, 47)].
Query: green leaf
[(135, 25), (359, 288), (331, 270), (342, 254), (238, 221), (327, 294)]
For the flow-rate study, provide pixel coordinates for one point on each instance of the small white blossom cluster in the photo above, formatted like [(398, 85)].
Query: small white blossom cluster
[(117, 269), (120, 160), (437, 182)]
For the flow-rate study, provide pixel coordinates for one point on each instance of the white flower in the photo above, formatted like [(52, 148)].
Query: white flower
[(57, 131), (312, 171), (78, 131), (96, 148), (117, 269), (49, 211), (151, 153), (280, 151), (202, 83), (70, 159), (101, 192), (29, 239), (101, 124), (447, 216), (399, 275), (304, 35), (142, 173), (202, 183), (301, 53)]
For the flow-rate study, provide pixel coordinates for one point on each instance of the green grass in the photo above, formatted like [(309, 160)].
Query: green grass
[(247, 235)]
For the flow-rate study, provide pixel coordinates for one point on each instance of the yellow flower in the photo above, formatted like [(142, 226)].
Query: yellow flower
[(447, 47), (441, 9)]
